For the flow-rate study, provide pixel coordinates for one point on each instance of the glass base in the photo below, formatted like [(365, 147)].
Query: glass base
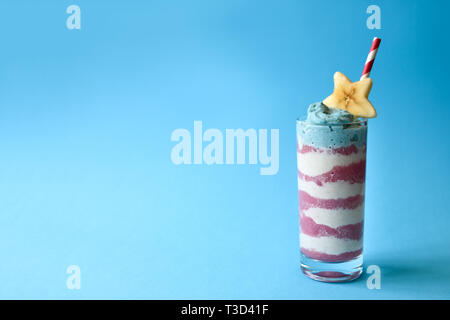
[(332, 271)]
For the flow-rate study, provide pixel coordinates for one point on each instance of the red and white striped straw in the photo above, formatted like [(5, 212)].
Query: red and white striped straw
[(371, 58)]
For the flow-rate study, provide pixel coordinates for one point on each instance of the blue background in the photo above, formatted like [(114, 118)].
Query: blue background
[(85, 123)]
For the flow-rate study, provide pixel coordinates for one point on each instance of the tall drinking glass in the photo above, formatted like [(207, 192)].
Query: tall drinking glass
[(331, 165)]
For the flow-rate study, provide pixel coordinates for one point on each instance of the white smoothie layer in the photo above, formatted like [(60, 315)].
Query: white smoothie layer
[(337, 217), (329, 245), (317, 163), (331, 190)]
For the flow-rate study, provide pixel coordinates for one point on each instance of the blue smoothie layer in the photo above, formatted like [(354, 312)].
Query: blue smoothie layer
[(331, 128)]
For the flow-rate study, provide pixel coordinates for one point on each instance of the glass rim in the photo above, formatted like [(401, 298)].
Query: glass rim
[(362, 121)]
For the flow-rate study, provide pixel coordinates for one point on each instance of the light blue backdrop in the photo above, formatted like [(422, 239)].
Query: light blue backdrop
[(85, 122)]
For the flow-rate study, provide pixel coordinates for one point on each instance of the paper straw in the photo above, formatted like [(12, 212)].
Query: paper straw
[(371, 58)]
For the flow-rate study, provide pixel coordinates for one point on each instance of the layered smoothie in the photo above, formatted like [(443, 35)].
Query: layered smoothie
[(331, 168), (331, 158)]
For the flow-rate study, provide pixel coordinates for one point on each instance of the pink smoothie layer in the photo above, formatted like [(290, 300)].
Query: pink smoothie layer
[(352, 173), (307, 201), (333, 275), (341, 150), (349, 231)]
